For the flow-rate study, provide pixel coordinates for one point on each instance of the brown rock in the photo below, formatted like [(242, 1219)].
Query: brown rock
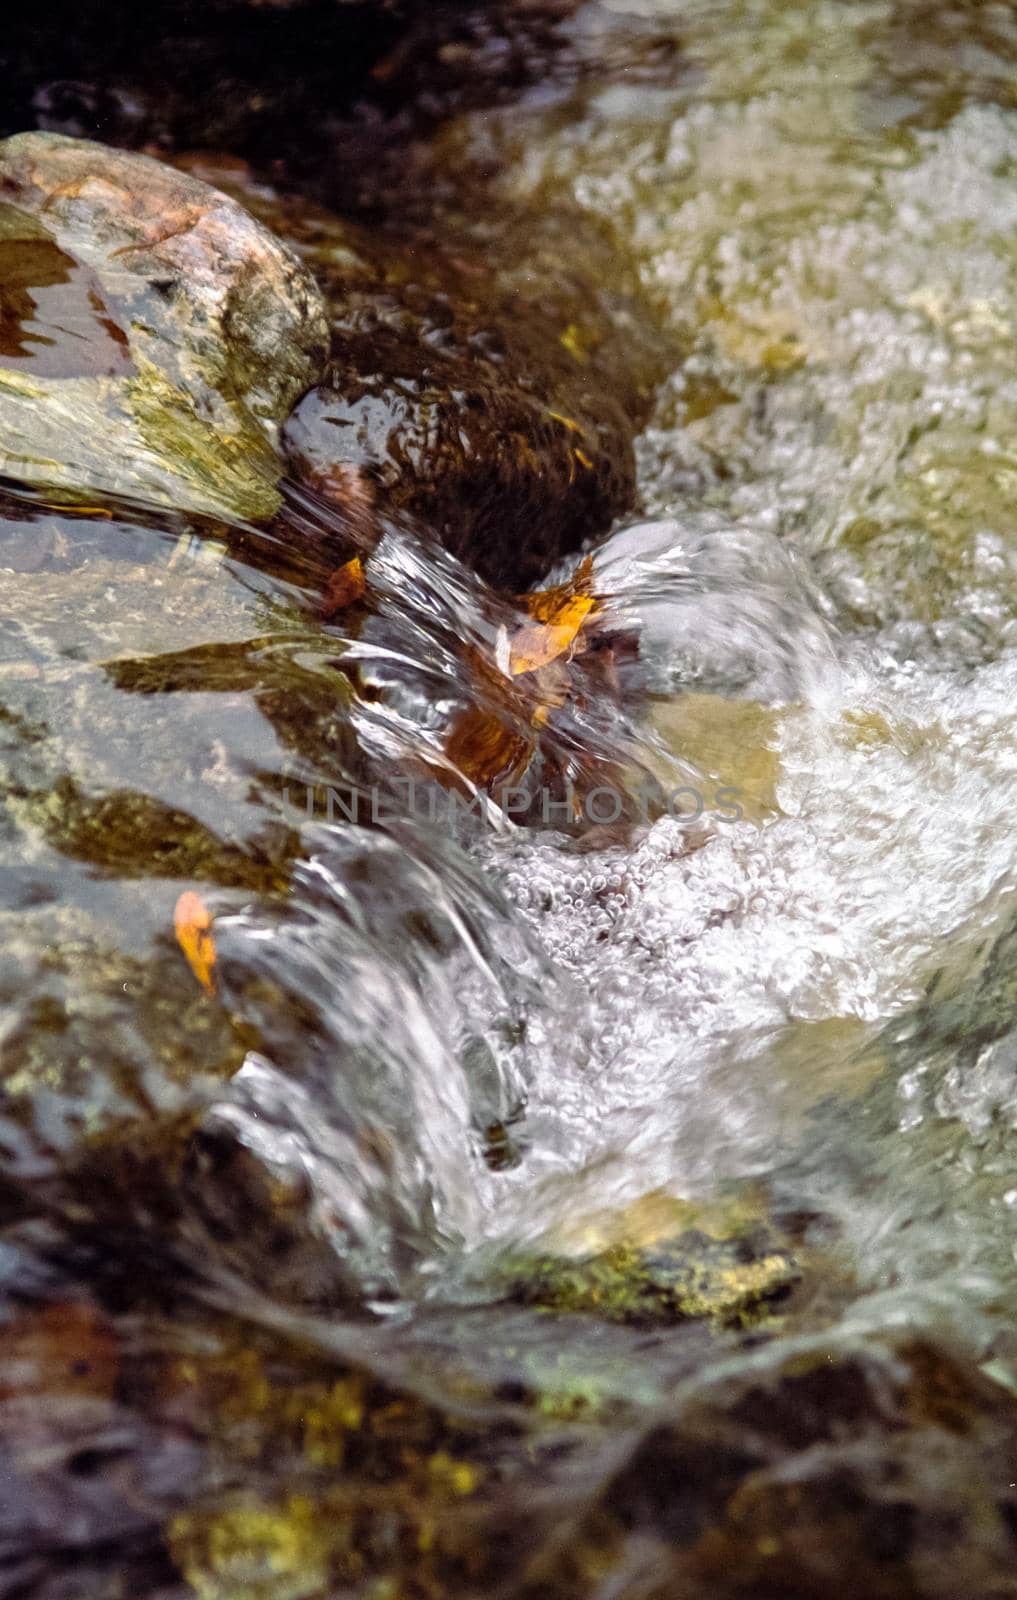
[(499, 413)]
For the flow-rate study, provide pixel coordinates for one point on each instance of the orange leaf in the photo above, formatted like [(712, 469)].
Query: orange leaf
[(548, 604), (345, 585), (535, 646), (192, 924)]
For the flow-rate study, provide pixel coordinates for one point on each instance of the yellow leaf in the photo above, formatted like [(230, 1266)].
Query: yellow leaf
[(567, 422), (558, 614), (192, 923), (542, 642), (548, 604), (345, 585)]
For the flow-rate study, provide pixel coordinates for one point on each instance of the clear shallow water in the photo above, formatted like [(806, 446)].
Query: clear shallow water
[(442, 1046)]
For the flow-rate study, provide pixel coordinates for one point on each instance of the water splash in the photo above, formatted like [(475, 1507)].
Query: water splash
[(392, 992)]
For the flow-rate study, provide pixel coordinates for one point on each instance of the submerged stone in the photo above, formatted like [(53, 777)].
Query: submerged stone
[(877, 1470), (152, 334)]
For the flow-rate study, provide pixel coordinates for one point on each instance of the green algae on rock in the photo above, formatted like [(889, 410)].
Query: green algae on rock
[(694, 1277), (152, 334), (664, 1261)]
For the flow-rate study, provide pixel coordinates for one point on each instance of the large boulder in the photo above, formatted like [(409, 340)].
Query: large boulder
[(493, 392), (152, 334)]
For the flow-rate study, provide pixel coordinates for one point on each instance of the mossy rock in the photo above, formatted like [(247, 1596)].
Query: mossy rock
[(731, 1282)]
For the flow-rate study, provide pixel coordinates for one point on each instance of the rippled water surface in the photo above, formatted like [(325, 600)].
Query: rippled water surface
[(449, 1046), (823, 210)]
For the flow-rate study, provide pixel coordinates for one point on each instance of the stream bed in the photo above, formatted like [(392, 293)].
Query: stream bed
[(611, 1191)]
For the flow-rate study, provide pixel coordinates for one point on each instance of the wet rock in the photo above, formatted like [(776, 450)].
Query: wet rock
[(80, 1475), (112, 1070), (691, 1276), (664, 1261), (863, 1471), (491, 389), (96, 760), (325, 1480), (290, 80), (152, 334), (508, 481), (100, 1049)]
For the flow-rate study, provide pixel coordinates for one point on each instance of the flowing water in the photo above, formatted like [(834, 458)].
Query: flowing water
[(450, 1044)]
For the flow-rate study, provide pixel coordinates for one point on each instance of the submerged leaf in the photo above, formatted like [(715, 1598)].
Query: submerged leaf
[(192, 923), (346, 585), (558, 614), (535, 646)]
